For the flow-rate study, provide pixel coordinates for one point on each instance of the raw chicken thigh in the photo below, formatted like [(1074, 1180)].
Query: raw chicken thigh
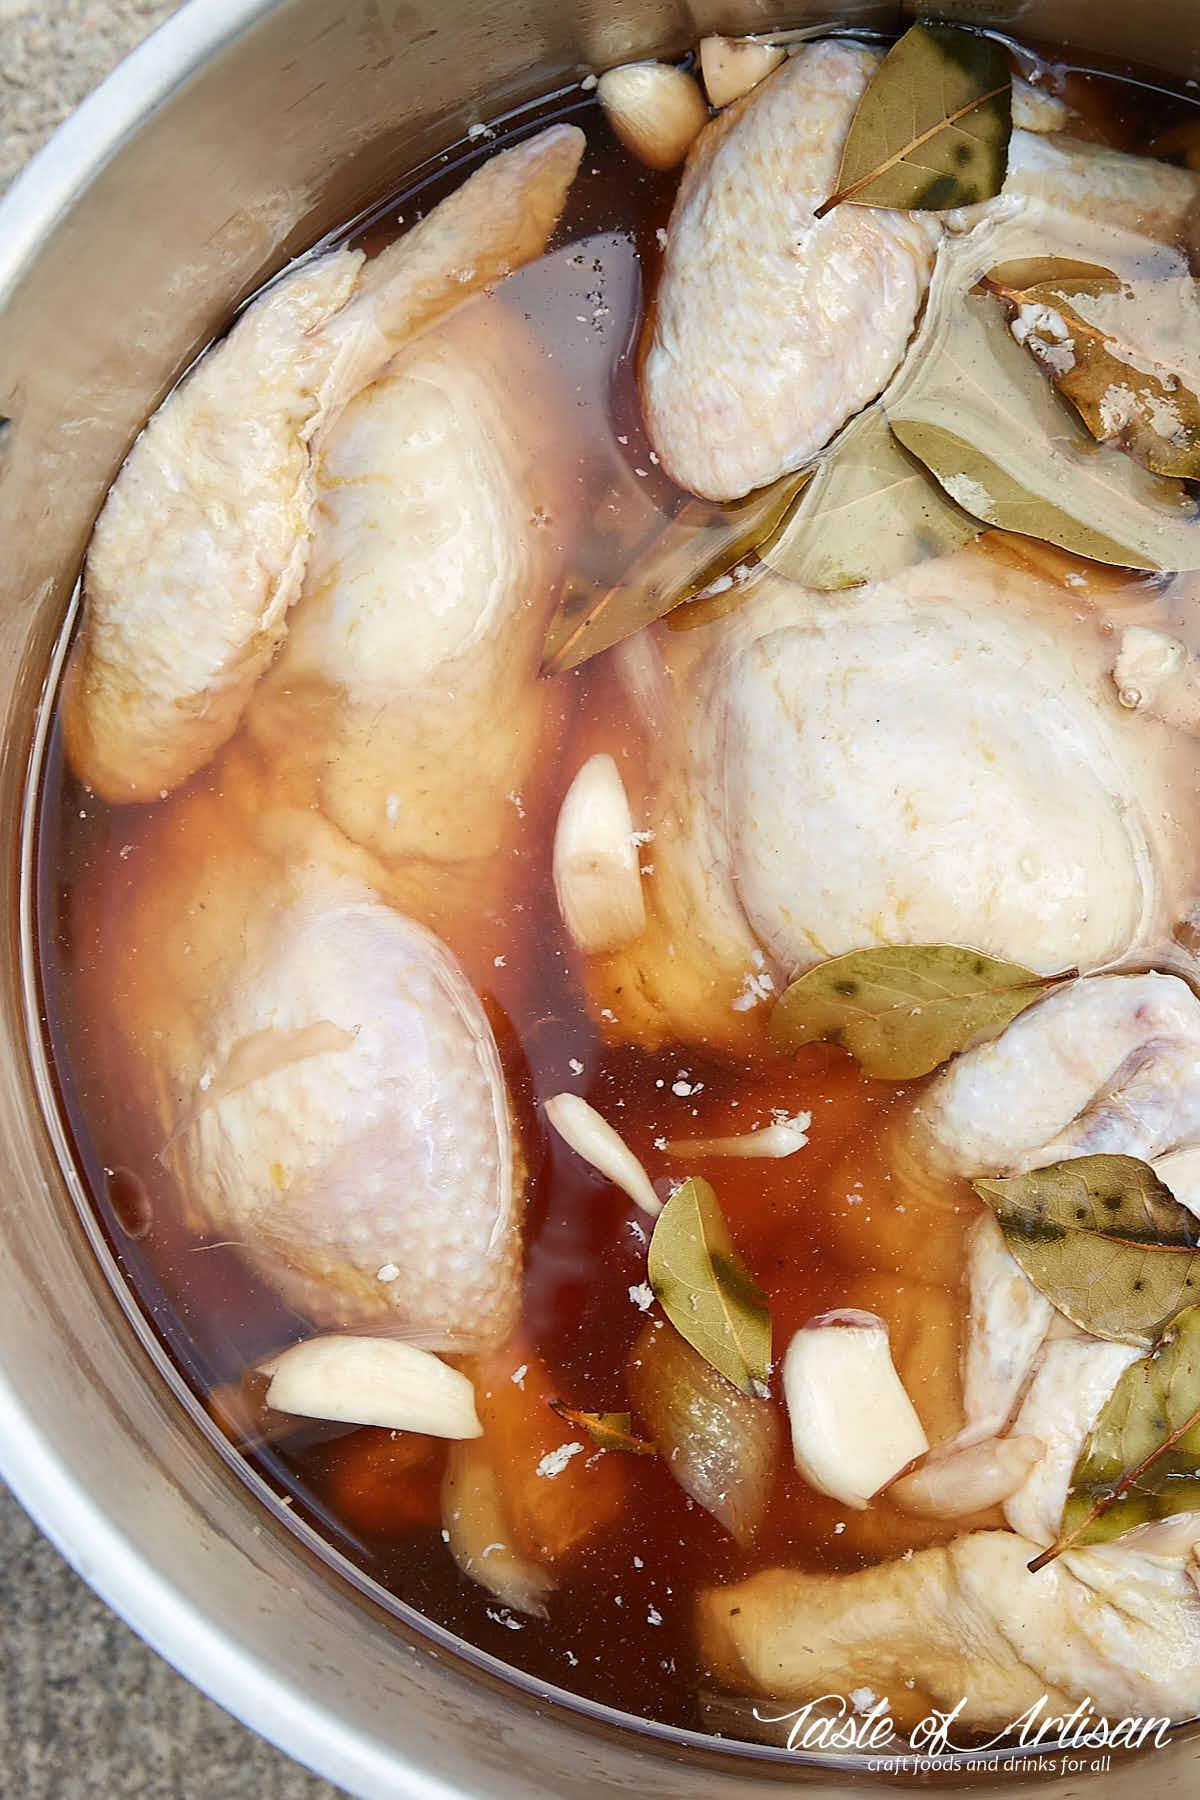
[(938, 757), (202, 545), (771, 327), (321, 1080)]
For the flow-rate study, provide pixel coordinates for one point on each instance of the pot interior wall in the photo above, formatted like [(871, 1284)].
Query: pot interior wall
[(241, 133)]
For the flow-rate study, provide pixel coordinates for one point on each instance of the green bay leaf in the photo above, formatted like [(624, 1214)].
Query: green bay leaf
[(973, 407), (1142, 1460), (1123, 353), (705, 1289), (703, 542), (933, 127), (1105, 1240), (903, 1009), (870, 510)]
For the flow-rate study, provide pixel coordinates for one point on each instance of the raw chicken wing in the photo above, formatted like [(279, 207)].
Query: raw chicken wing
[(202, 545)]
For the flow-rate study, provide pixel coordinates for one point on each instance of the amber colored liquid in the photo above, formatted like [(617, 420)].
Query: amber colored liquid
[(825, 1228)]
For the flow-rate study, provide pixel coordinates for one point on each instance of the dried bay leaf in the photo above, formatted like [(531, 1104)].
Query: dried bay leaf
[(1104, 1239), (1123, 353), (1142, 1460), (870, 510), (703, 542), (972, 406), (706, 1290), (611, 1430), (903, 1009), (932, 129)]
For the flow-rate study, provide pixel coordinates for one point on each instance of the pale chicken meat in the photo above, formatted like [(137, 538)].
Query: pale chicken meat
[(823, 766), (1007, 1319), (202, 546), (772, 327), (968, 1622), (316, 1074), (405, 702), (1106, 1065), (1074, 1377)]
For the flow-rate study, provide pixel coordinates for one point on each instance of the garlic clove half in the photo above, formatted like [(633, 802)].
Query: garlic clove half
[(970, 1479), (730, 67), (656, 110), (592, 1137), (854, 1427), (597, 877), (373, 1381)]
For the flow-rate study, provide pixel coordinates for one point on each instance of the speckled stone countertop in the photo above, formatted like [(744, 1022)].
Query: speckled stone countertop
[(86, 1710)]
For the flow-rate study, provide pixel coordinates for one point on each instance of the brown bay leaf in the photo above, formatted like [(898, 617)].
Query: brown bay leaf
[(903, 1009), (933, 127), (703, 542), (1104, 1239), (706, 1290), (870, 510), (974, 409), (1142, 1460), (1123, 354), (611, 1430)]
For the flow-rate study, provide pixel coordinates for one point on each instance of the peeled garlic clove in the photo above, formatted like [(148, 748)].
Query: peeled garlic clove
[(593, 1138), (969, 1480), (597, 877), (783, 1138), (480, 1535), (655, 110), (732, 66), (373, 1381), (853, 1425)]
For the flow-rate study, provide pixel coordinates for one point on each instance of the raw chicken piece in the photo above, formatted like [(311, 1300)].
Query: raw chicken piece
[(1159, 673), (405, 701), (968, 1621), (939, 757), (315, 1073), (1007, 1319), (1074, 1379), (1089, 181), (202, 545), (770, 327), (1106, 1065)]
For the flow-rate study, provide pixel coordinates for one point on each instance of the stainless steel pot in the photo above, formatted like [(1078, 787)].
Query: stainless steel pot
[(236, 136)]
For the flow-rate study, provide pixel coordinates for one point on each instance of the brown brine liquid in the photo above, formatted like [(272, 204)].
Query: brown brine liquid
[(820, 1229)]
